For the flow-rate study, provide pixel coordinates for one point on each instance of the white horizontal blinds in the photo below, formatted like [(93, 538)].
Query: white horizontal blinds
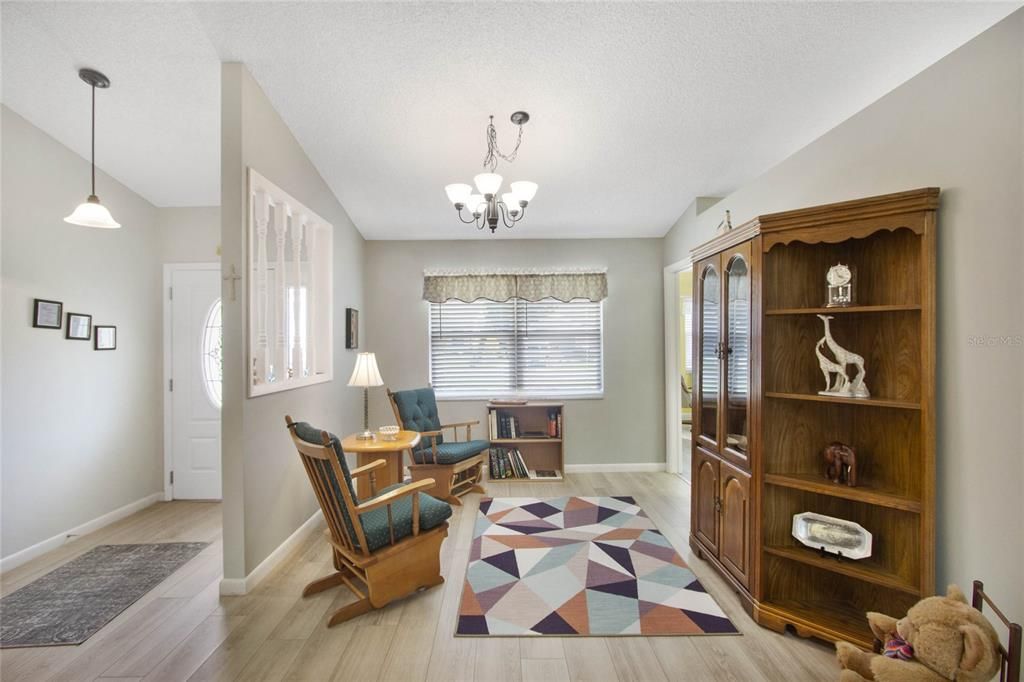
[(547, 348), (472, 347), (559, 347), (738, 362), (710, 337)]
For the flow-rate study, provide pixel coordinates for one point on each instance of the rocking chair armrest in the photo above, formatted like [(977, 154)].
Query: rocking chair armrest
[(455, 428), (368, 468), (456, 424), (431, 434), (394, 495)]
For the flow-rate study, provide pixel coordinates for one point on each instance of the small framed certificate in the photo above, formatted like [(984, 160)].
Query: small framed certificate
[(79, 327), (47, 314), (105, 338)]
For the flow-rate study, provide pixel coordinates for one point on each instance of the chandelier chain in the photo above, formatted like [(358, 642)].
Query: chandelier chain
[(494, 153)]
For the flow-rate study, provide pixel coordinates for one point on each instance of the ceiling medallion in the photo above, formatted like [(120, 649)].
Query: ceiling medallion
[(485, 208)]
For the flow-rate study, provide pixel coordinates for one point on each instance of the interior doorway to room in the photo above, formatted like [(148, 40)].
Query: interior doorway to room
[(678, 366), (684, 317), (193, 373)]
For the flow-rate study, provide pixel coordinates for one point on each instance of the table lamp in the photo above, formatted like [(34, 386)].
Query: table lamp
[(364, 375)]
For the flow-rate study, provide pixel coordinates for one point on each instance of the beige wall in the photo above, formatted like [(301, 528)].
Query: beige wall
[(626, 426), (958, 126), (81, 429), (266, 493), (190, 234)]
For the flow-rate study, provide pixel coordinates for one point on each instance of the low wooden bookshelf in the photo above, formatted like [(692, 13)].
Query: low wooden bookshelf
[(527, 428)]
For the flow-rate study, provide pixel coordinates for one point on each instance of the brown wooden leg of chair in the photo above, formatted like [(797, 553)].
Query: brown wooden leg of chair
[(350, 611), (321, 584)]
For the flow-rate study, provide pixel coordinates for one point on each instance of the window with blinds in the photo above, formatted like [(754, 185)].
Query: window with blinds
[(545, 349)]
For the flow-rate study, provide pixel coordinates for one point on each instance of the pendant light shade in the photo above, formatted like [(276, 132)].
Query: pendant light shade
[(92, 213)]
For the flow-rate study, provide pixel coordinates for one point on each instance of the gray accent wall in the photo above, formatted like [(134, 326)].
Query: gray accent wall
[(626, 426), (82, 430), (266, 493), (958, 125)]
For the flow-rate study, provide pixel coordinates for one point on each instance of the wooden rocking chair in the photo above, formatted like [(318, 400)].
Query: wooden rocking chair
[(455, 466), (386, 546)]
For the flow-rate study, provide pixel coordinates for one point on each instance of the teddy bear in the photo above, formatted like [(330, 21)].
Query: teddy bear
[(940, 638)]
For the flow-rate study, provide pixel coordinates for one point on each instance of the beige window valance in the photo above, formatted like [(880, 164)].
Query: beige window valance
[(566, 286)]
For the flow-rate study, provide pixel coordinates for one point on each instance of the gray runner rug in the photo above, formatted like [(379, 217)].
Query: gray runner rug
[(68, 605)]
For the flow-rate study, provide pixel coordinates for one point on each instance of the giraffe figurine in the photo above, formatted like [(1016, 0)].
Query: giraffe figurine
[(855, 388), (842, 382)]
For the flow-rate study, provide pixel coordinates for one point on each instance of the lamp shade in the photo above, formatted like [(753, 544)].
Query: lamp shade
[(487, 183), (458, 193), (524, 189), (476, 204), (365, 373), (93, 214), (511, 202)]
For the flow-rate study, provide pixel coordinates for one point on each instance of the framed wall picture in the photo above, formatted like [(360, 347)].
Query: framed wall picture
[(79, 327), (47, 314), (106, 337), (351, 328)]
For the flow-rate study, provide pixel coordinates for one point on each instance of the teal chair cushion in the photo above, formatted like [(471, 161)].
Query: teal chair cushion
[(418, 409), (451, 453), (312, 435), (433, 513)]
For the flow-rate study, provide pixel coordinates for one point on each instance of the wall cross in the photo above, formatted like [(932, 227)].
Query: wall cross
[(233, 277)]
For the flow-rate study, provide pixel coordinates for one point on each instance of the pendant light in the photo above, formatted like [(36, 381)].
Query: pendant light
[(92, 213)]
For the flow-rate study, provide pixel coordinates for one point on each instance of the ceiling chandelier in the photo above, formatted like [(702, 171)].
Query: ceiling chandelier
[(485, 208), (92, 213)]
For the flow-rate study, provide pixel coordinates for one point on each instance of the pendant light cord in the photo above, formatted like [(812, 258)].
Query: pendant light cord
[(93, 150)]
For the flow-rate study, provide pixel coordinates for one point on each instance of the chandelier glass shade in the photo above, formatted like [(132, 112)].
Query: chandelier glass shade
[(484, 207)]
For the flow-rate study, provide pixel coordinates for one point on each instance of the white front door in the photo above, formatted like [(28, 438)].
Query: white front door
[(195, 381)]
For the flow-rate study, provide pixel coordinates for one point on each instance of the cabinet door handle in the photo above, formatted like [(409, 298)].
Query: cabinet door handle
[(718, 505)]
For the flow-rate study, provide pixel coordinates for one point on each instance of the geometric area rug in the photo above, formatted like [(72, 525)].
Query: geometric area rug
[(69, 604), (567, 566)]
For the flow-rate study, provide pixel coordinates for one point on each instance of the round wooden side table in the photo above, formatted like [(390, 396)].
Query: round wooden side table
[(367, 451)]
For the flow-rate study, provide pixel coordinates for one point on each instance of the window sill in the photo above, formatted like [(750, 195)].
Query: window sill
[(441, 397)]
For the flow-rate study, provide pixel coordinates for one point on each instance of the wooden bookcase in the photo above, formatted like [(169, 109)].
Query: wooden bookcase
[(890, 240), (539, 450)]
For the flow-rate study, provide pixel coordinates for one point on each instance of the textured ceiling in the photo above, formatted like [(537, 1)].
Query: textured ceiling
[(637, 108)]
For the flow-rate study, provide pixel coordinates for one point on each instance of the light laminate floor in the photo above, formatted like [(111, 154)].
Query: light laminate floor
[(184, 630)]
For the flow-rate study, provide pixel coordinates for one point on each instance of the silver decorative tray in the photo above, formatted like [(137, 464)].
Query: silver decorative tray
[(835, 536)]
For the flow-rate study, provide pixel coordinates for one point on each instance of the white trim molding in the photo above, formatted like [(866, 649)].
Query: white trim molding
[(238, 586), (50, 544), (673, 401), (620, 467)]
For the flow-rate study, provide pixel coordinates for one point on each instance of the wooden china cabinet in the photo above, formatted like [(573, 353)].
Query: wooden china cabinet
[(760, 424), (722, 442)]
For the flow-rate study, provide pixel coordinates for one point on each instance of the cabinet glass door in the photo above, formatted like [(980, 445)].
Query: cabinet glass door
[(710, 348), (737, 354)]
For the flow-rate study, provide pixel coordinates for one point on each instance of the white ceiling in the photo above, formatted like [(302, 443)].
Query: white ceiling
[(636, 108)]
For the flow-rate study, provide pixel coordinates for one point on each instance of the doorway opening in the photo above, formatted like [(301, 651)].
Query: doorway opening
[(679, 330), (193, 374)]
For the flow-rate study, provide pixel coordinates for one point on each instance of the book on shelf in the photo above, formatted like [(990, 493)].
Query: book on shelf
[(545, 473), (507, 426), (508, 463)]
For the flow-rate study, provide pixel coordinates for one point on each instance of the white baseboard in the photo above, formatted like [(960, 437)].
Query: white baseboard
[(237, 586), (40, 548), (642, 467)]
